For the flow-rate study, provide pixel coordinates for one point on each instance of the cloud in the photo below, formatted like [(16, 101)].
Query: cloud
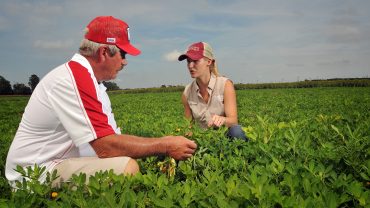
[(294, 65), (343, 62), (172, 56), (344, 33), (344, 28), (35, 14), (34, 8), (262, 41), (3, 24), (59, 44)]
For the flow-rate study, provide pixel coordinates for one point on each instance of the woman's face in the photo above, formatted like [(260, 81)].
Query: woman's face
[(198, 68)]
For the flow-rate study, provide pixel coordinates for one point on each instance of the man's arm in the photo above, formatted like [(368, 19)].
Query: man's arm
[(177, 147)]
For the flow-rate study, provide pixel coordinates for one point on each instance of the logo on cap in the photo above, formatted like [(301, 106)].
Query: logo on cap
[(194, 48), (111, 40), (128, 34)]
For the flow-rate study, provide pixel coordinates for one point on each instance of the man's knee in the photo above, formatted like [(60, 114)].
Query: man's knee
[(132, 167)]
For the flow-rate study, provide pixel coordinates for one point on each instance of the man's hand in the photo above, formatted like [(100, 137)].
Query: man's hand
[(179, 147), (217, 121)]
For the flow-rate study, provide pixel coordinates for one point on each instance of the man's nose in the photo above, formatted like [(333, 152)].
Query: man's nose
[(124, 62)]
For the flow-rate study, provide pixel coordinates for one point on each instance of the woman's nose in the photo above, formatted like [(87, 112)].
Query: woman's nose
[(191, 64)]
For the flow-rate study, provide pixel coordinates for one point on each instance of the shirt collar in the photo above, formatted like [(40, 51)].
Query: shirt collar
[(102, 87), (211, 84), (83, 61)]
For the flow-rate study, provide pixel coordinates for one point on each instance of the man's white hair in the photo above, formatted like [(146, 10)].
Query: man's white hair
[(89, 48)]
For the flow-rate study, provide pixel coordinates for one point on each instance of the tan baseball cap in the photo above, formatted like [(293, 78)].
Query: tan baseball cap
[(197, 51)]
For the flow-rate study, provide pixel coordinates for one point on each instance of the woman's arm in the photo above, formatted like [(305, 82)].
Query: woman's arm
[(187, 110), (230, 104), (231, 115)]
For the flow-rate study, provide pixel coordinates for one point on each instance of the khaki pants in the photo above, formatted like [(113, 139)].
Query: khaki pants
[(89, 166)]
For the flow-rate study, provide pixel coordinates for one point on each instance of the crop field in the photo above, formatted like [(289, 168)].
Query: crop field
[(308, 147)]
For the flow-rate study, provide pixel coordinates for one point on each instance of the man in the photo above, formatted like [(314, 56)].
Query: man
[(68, 125)]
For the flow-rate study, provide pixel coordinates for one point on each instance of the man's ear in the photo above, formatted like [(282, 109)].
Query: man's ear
[(102, 53)]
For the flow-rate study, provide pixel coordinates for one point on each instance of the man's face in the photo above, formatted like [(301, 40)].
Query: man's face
[(113, 65)]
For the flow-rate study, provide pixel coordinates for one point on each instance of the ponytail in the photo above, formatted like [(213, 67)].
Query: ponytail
[(213, 68)]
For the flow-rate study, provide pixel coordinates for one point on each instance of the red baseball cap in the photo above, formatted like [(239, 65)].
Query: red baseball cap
[(197, 51), (111, 31)]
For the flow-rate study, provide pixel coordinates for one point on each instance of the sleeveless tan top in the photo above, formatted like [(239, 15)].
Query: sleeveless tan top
[(202, 112)]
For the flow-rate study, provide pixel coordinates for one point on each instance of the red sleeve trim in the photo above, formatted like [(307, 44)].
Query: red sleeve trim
[(91, 104)]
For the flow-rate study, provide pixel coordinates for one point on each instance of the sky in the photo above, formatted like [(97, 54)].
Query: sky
[(253, 41)]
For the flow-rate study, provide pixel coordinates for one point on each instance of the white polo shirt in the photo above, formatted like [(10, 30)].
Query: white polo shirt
[(66, 111)]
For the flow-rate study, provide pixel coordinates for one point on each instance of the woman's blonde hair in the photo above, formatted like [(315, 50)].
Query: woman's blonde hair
[(213, 68)]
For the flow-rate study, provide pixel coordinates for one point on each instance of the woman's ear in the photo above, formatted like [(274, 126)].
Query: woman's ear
[(210, 62)]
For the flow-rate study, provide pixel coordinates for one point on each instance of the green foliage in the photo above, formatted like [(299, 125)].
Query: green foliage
[(30, 192), (163, 88), (307, 148), (33, 81), (11, 110), (110, 85), (5, 87), (21, 89), (351, 82)]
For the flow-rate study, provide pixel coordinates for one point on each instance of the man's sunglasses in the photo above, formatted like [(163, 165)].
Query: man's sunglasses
[(123, 53)]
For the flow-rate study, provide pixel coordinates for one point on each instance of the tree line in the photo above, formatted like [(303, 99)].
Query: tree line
[(22, 89), (336, 82), (18, 88)]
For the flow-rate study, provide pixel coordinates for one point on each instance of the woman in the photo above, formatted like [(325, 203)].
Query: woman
[(210, 99)]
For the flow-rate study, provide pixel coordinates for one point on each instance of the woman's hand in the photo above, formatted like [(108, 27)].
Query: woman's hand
[(217, 121)]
